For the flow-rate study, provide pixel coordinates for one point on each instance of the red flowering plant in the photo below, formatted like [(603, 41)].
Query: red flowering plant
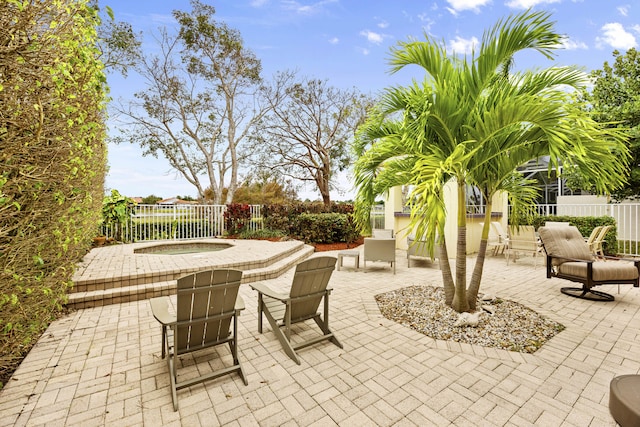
[(237, 218)]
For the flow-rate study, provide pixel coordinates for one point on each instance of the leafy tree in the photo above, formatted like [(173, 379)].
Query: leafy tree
[(118, 43), (615, 100), (52, 161), (265, 190), (473, 122), (151, 199), (199, 102), (307, 132)]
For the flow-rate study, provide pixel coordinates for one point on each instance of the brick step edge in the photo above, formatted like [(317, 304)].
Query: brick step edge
[(99, 298), (81, 286)]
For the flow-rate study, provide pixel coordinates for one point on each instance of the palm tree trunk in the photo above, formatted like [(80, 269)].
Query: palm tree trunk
[(447, 277), (474, 285), (460, 303)]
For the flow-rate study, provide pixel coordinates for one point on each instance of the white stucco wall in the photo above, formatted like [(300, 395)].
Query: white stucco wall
[(400, 222)]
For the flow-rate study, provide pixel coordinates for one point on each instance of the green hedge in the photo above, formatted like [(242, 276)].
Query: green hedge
[(325, 228), (53, 161), (311, 222)]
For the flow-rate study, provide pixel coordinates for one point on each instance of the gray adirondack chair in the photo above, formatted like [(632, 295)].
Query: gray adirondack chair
[(207, 305), (301, 303)]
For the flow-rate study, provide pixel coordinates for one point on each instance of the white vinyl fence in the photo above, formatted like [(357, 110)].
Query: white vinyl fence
[(377, 217), (160, 222)]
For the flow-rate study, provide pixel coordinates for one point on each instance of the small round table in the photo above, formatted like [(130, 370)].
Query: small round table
[(624, 400)]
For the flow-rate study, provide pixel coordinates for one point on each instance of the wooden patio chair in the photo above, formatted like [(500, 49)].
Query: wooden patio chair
[(299, 304), (498, 240), (523, 239), (569, 258), (597, 246), (207, 305), (592, 237)]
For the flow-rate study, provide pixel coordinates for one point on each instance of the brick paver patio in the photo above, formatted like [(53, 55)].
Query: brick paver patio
[(102, 365)]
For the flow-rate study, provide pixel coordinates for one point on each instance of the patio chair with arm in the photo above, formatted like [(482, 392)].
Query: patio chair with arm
[(207, 305), (498, 240), (299, 304), (419, 249), (569, 258), (597, 246), (523, 239), (379, 249), (592, 238), (382, 233)]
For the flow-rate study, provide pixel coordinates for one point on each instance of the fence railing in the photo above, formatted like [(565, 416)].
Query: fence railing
[(158, 222), (174, 222), (377, 217)]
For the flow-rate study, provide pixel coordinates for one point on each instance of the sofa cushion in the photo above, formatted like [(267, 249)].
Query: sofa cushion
[(565, 242), (602, 271)]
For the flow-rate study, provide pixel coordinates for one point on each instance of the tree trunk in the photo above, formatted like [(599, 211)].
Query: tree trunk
[(474, 285), (322, 181), (460, 303), (326, 199), (233, 143), (447, 278)]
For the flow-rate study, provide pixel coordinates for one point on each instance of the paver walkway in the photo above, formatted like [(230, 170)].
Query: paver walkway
[(102, 366)]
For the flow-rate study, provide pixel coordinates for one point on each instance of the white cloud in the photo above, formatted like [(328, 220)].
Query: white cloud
[(375, 38), (460, 5), (383, 24), (306, 9), (614, 35), (623, 10), (426, 21), (461, 46), (526, 4), (334, 40), (571, 44), (162, 19), (259, 3)]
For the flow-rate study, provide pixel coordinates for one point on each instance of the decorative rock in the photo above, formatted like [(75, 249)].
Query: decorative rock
[(512, 327), (468, 319), (489, 309), (487, 297)]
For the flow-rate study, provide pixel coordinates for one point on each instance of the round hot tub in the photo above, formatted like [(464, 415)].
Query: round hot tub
[(184, 248)]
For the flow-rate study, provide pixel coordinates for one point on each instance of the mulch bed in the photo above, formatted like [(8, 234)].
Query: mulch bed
[(323, 247)]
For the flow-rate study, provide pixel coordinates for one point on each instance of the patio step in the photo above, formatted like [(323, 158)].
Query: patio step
[(139, 288)]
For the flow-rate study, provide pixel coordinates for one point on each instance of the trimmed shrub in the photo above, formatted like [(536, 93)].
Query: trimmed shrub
[(52, 133), (311, 223), (237, 218)]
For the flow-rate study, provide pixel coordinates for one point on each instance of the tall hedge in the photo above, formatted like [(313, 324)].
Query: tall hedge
[(52, 161)]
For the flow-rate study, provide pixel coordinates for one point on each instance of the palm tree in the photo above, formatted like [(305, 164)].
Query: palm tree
[(474, 122)]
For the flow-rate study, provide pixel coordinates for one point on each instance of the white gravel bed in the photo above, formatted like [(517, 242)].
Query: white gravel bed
[(512, 326)]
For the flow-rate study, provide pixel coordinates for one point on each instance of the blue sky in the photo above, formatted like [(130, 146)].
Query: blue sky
[(347, 42)]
